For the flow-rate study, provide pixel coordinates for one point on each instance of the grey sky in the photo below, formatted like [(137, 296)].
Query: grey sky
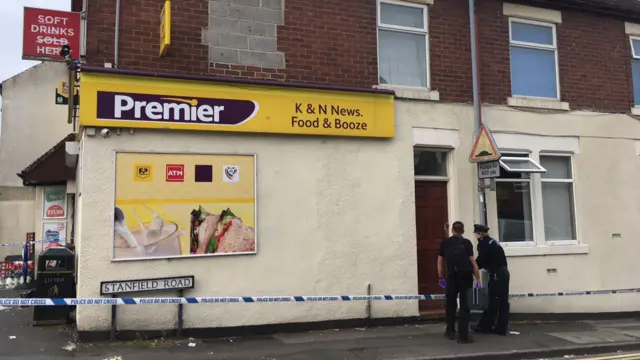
[(11, 19)]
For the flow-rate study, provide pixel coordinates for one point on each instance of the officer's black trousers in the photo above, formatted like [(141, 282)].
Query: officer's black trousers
[(458, 286), (496, 317)]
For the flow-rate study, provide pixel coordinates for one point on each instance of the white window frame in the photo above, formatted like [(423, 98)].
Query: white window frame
[(405, 29), (539, 169), (573, 200), (530, 45), (634, 57), (532, 199)]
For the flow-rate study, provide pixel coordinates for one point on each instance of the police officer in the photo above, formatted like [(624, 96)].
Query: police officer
[(457, 253), (491, 257)]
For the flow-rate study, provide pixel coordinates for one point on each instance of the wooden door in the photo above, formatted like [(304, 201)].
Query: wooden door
[(431, 217)]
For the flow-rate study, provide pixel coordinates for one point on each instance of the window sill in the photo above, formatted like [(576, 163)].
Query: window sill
[(547, 104), (635, 111), (425, 2), (545, 250), (405, 92)]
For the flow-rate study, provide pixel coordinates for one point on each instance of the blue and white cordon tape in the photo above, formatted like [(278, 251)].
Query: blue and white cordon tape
[(27, 242), (270, 299)]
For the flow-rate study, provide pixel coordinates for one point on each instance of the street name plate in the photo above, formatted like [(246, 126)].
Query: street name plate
[(489, 169), (130, 286)]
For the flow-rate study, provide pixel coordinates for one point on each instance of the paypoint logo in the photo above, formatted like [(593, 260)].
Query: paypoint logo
[(143, 173), (175, 173)]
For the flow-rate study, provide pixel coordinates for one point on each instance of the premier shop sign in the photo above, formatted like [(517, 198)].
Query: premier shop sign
[(172, 109), (124, 101)]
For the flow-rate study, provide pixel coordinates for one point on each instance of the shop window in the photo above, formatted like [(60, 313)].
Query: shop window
[(429, 162), (557, 198), (403, 44), (534, 60)]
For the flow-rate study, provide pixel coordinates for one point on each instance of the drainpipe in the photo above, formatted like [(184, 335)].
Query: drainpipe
[(116, 51), (477, 108)]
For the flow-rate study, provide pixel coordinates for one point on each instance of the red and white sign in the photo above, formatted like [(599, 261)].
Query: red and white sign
[(175, 173), (55, 211), (46, 31)]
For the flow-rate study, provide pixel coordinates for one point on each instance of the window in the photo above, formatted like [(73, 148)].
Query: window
[(557, 198), (534, 61), (429, 162), (402, 44), (513, 200), (635, 70)]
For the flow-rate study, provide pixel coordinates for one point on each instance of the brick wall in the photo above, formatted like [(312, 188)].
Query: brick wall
[(140, 35), (329, 42), (450, 50), (593, 56)]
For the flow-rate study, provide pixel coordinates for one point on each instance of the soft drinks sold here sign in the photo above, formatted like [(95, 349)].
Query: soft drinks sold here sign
[(46, 31)]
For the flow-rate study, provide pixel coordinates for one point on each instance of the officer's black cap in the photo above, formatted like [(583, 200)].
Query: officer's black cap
[(477, 228)]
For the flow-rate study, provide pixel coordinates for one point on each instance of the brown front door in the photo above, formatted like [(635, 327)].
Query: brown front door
[(431, 217)]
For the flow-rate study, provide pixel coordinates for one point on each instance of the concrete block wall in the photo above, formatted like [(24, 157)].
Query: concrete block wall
[(244, 32)]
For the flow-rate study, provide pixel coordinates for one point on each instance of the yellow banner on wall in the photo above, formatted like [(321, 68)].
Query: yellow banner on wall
[(110, 100), (165, 27)]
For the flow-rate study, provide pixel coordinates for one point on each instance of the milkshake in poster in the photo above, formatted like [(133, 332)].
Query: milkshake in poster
[(183, 205)]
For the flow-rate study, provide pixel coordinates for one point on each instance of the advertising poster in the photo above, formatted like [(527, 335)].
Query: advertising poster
[(55, 203), (55, 232), (183, 205)]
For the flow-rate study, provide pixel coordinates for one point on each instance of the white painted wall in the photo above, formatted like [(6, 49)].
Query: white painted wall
[(607, 174), (335, 214), (31, 124), (31, 121), (348, 206)]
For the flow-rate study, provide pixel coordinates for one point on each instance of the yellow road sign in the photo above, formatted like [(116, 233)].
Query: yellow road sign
[(484, 148)]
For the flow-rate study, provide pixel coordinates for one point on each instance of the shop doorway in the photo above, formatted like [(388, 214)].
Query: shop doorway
[(431, 223)]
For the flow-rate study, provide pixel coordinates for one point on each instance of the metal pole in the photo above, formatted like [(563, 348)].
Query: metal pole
[(477, 116), (116, 52)]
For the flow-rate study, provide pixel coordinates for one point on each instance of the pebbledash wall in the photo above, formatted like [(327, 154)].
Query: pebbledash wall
[(323, 223)]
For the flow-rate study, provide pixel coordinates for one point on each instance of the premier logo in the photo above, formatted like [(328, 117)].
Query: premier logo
[(180, 109), (168, 108)]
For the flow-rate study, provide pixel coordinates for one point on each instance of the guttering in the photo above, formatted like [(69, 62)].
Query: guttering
[(215, 79), (477, 108), (116, 48)]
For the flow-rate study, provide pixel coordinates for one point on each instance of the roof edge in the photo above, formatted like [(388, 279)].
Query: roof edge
[(229, 80), (43, 157)]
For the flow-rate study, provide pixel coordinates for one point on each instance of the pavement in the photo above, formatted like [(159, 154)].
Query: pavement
[(609, 356), (527, 340)]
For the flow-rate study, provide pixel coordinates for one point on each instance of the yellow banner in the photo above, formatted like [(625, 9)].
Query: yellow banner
[(156, 103), (165, 27)]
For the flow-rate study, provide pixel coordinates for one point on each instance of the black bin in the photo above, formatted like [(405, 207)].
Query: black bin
[(55, 279)]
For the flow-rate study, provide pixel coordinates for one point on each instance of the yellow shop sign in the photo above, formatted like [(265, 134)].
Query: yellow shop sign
[(155, 103)]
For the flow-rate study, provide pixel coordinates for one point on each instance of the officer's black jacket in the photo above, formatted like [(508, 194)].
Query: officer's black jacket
[(490, 255)]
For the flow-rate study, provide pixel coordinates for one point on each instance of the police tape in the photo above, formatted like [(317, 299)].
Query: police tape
[(269, 299), (28, 242)]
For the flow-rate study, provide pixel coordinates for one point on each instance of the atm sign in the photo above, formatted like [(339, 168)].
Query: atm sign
[(175, 173)]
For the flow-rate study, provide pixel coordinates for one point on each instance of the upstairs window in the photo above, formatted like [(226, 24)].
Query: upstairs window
[(635, 69), (402, 44), (534, 59)]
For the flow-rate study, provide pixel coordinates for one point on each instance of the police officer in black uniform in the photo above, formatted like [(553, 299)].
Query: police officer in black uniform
[(491, 257)]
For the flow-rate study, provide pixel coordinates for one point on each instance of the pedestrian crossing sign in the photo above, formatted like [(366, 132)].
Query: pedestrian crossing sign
[(484, 148)]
